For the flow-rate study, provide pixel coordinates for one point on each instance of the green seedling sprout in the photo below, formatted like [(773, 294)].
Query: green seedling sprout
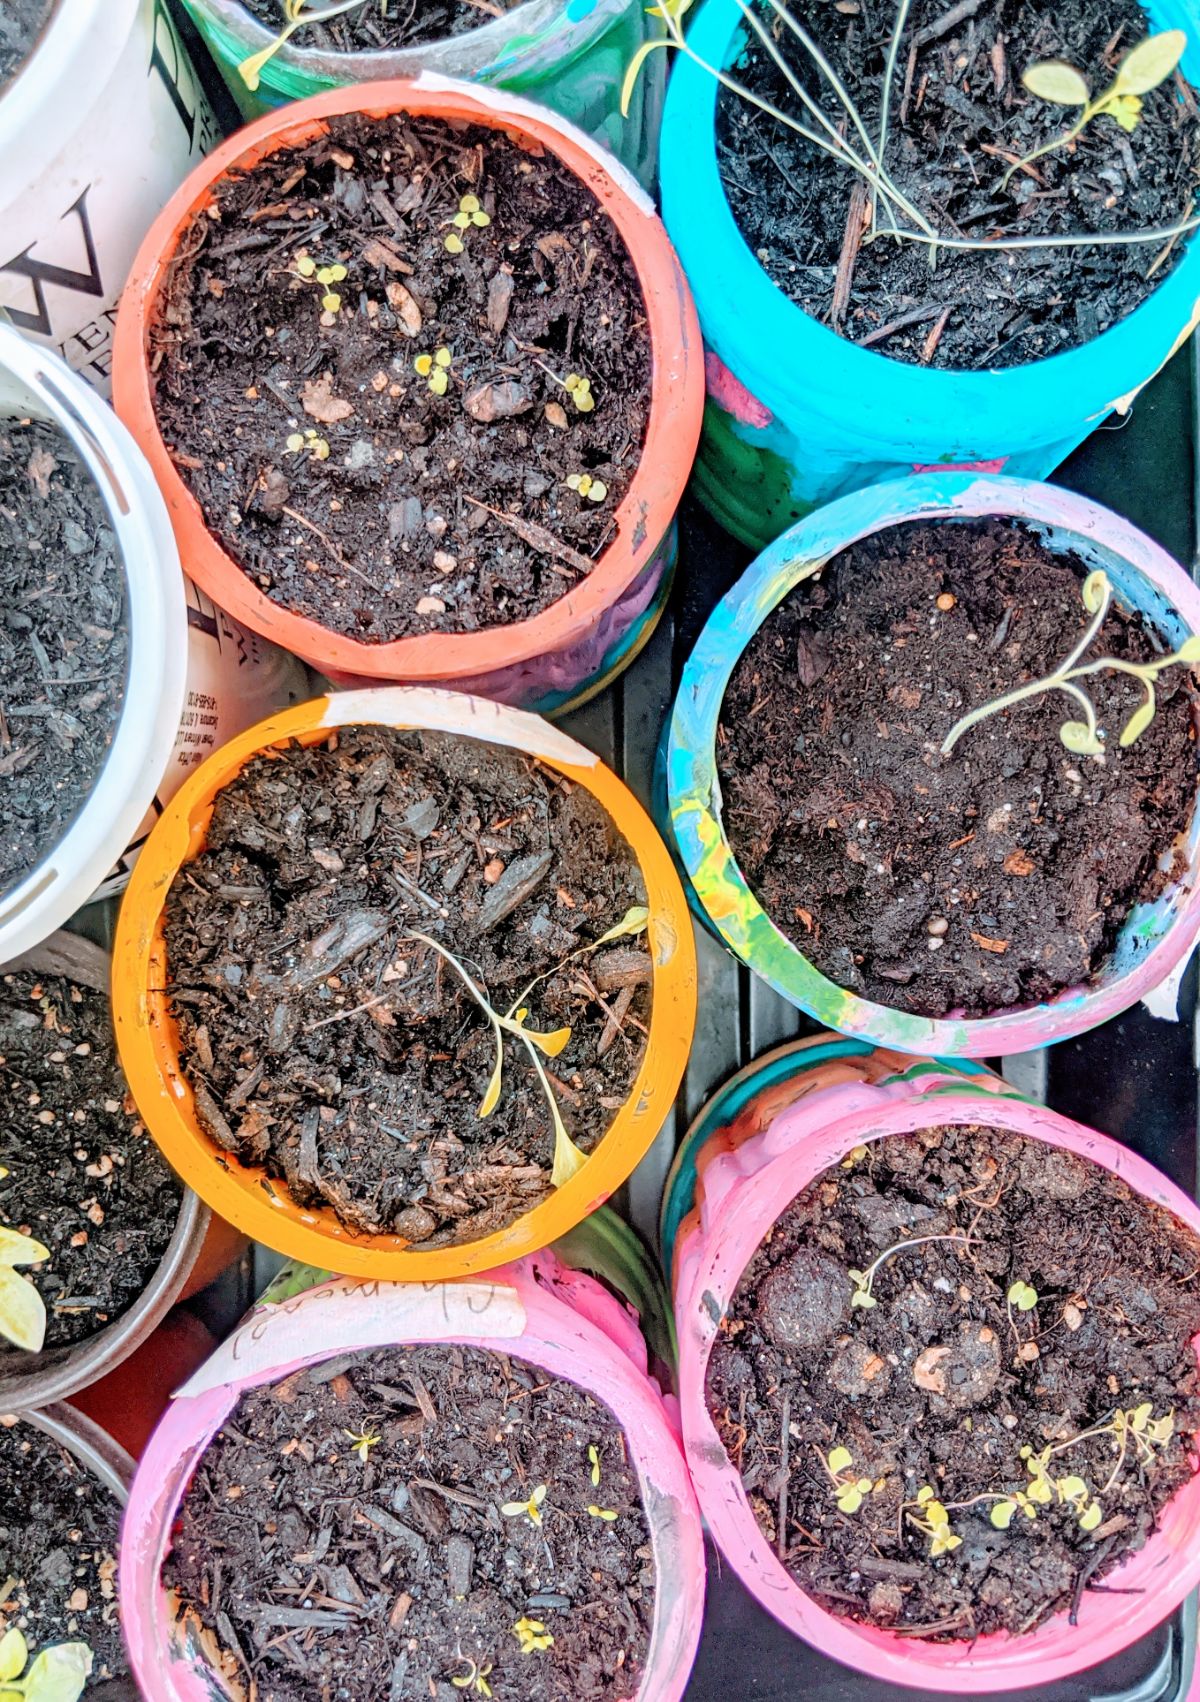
[(1143, 68), (363, 1441), (605, 1513), (933, 1521), (22, 1309), (296, 13), (531, 1509), (1085, 738), (532, 1635), (57, 1674), (594, 1462), (1023, 1296), (476, 1678), (849, 1488), (864, 1280)]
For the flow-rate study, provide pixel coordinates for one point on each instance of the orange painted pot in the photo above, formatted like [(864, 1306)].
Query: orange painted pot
[(261, 1205), (549, 661)]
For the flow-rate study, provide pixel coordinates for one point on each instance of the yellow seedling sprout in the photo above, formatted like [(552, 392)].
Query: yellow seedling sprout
[(532, 1635), (22, 1309), (849, 1488), (476, 1679), (470, 213), (363, 1442), (594, 489), (57, 1674), (318, 449), (864, 1280), (605, 1513), (436, 369), (934, 1523), (1023, 1296), (531, 1509), (594, 1461), (580, 391), (296, 13)]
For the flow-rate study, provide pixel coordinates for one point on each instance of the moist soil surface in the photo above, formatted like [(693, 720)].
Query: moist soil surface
[(82, 1175), (944, 1383), (997, 875), (63, 641), (21, 22), (329, 1043), (58, 1541), (959, 118), (323, 1573), (381, 24), (430, 511)]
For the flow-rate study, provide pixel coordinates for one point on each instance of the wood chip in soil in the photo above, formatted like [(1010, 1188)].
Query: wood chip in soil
[(943, 1382), (398, 1574), (996, 876), (82, 1175), (379, 25), (959, 118), (329, 1043), (348, 457), (63, 641)]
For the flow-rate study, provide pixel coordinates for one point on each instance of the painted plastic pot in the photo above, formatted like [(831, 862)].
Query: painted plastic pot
[(99, 126), (797, 416), (568, 54), (1156, 936), (262, 1206), (549, 661), (199, 1248), (750, 1159), (535, 1310)]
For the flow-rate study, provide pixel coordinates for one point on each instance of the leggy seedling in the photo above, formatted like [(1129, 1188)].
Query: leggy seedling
[(849, 1487), (864, 1280), (56, 1674), (296, 13), (1085, 738)]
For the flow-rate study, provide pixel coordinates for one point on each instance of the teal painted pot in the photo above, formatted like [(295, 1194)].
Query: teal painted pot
[(569, 54), (797, 416)]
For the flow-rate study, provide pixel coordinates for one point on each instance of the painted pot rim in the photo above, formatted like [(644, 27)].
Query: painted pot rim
[(744, 1194), (694, 794), (535, 1311), (243, 1194), (66, 1370), (90, 1444), (644, 515), (700, 219)]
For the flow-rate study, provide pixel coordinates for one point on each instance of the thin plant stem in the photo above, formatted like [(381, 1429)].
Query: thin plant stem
[(823, 65), (889, 74)]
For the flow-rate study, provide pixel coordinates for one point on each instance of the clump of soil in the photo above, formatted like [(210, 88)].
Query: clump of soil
[(381, 24), (960, 116), (327, 1041), (82, 1175), (997, 875), (63, 641), (58, 1551), (416, 501), (399, 1573), (944, 1383), (21, 22)]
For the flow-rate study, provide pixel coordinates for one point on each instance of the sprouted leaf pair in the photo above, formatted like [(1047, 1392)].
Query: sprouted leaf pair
[(864, 1280), (296, 13), (56, 1674), (849, 1487), (22, 1309)]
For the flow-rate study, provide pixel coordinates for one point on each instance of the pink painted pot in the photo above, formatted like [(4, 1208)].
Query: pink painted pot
[(536, 1310), (761, 1151)]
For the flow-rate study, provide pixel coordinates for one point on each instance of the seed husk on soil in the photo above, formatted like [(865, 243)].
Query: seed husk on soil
[(993, 877), (82, 1175), (944, 1380), (21, 22), (959, 118), (58, 1552), (378, 25), (390, 451), (63, 641), (398, 1573), (328, 1043)]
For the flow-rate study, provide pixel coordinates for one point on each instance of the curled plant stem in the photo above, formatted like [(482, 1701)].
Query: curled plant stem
[(296, 13), (864, 1280)]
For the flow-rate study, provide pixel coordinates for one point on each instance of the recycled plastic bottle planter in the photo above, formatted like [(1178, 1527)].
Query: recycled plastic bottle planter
[(797, 416), (535, 1311), (758, 1143), (1155, 937), (243, 1193), (549, 661), (200, 1247), (568, 55)]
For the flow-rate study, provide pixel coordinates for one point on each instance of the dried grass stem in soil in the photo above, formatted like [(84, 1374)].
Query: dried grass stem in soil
[(929, 1463), (405, 370), (326, 1039), (995, 876)]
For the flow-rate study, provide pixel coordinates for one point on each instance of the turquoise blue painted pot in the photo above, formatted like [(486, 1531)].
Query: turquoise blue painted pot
[(1156, 936), (569, 54), (797, 416)]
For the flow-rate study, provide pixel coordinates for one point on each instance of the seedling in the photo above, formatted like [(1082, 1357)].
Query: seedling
[(363, 1442), (849, 1488), (580, 391), (933, 1521), (1023, 1296), (532, 1635), (296, 13), (57, 1674), (594, 489), (594, 1462), (311, 440), (475, 1679), (1086, 737), (22, 1309), (324, 277), (864, 1280), (1143, 68), (605, 1513), (469, 214), (435, 368), (531, 1509)]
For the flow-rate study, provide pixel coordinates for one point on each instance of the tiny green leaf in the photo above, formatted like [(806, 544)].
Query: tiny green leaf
[(860, 1297), (1095, 590), (849, 1499), (1023, 1296), (18, 1249), (1055, 80), (22, 1312), (1071, 1488), (857, 1277), (1002, 1514), (1078, 737), (1127, 110), (1189, 650), (59, 1673), (839, 1459), (1139, 1418), (1137, 723), (1090, 1518), (1150, 63), (14, 1652), (1041, 1491), (924, 1495)]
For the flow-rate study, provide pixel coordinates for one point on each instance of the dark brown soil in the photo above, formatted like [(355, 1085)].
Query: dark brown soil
[(998, 875), (382, 24), (395, 1576), (392, 533), (943, 1383), (83, 1177), (960, 116), (21, 22), (328, 1043), (63, 641), (58, 1551)]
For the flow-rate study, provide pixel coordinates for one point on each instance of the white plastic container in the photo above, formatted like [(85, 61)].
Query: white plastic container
[(102, 122)]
